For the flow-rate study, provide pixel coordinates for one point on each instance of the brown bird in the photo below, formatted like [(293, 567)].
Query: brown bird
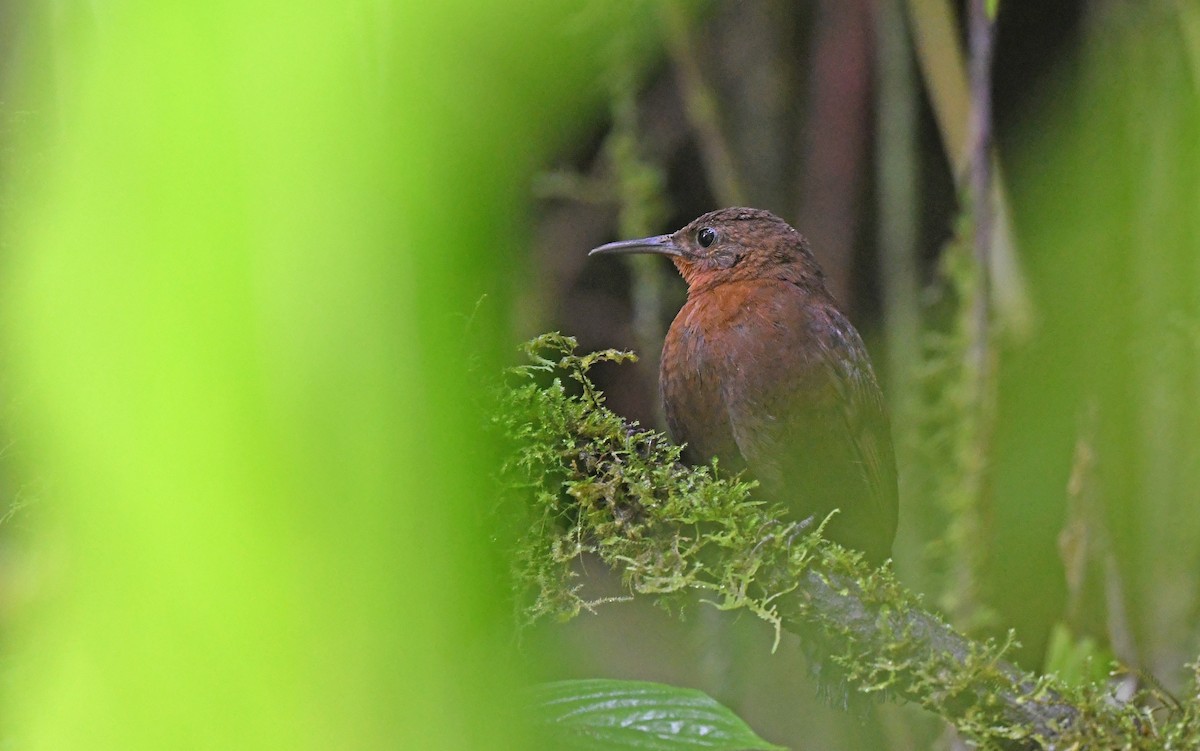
[(761, 370)]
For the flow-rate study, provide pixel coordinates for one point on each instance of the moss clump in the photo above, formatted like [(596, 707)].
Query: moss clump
[(581, 480)]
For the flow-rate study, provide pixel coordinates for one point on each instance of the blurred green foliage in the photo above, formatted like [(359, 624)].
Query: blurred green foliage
[(1076, 662), (1107, 181), (235, 306)]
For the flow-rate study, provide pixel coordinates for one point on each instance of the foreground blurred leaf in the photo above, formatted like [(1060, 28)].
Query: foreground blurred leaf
[(608, 714), (232, 317)]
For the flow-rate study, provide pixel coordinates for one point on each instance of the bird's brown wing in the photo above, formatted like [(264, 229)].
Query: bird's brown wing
[(810, 421), (865, 417)]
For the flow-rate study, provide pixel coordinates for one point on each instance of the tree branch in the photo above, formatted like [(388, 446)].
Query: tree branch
[(606, 487)]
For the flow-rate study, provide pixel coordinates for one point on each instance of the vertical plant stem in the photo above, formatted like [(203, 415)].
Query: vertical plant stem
[(969, 502), (835, 142), (639, 189), (981, 36), (940, 56), (700, 106), (897, 185), (947, 82)]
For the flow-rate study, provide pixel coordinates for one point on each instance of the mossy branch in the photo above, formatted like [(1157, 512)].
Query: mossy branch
[(603, 486)]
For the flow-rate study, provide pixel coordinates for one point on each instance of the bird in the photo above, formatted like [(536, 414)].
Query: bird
[(763, 371)]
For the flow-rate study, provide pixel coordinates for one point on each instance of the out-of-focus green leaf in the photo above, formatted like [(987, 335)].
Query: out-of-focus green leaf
[(234, 310), (1078, 661), (603, 715)]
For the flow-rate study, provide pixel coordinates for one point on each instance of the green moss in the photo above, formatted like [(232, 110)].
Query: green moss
[(581, 480)]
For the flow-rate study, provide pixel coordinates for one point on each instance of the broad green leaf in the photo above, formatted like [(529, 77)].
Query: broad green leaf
[(609, 715)]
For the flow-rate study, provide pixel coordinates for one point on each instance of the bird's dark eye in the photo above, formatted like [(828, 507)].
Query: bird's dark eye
[(706, 236)]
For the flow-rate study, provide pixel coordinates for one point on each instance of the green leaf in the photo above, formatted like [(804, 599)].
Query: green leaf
[(1078, 661), (992, 7), (608, 715)]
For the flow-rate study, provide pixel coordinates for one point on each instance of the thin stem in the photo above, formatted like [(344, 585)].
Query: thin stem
[(981, 35), (700, 106), (898, 193), (639, 192), (946, 80)]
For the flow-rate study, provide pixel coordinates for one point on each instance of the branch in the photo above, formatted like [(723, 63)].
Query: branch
[(607, 487)]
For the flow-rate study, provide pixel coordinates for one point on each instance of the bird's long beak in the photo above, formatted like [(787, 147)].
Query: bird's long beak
[(663, 245)]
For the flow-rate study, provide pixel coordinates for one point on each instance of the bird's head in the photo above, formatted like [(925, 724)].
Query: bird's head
[(730, 245)]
